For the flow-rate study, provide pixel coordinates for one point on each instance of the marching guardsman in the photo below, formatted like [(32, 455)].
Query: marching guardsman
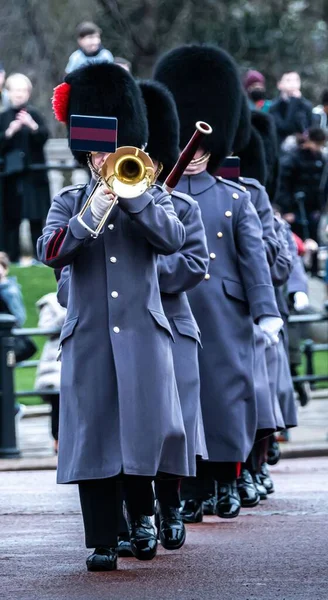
[(177, 273), (117, 365), (234, 294)]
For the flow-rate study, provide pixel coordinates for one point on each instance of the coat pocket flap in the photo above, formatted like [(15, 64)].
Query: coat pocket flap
[(161, 320), (187, 327), (234, 289), (67, 329)]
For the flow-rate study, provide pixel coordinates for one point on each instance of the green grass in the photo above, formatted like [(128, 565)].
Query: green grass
[(35, 282)]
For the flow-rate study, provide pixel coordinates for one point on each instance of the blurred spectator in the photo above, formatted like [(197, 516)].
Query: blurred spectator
[(123, 62), (23, 135), (320, 112), (303, 186), (90, 47), (51, 316), (291, 112), (254, 84), (4, 100)]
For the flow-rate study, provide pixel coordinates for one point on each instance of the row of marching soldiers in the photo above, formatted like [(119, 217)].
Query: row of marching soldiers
[(174, 364)]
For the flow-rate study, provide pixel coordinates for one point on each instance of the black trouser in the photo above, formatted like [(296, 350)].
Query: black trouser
[(101, 501), (54, 401), (11, 238), (36, 232), (202, 487)]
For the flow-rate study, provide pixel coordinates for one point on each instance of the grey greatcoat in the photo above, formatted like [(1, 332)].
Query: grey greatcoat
[(178, 273), (117, 366), (268, 415), (236, 292)]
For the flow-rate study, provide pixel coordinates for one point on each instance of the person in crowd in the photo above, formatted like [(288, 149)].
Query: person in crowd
[(291, 111), (51, 316), (90, 47), (23, 135), (320, 112), (11, 302), (304, 183), (123, 62), (117, 361), (4, 99), (254, 84)]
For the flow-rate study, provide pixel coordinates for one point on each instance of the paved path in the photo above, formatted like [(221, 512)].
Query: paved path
[(277, 551)]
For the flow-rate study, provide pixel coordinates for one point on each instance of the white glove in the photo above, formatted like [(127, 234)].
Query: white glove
[(301, 301), (271, 327), (99, 204)]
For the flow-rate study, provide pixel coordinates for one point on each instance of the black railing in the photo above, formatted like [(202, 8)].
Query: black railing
[(8, 394)]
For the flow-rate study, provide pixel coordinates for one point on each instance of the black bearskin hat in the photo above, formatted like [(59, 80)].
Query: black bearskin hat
[(163, 125), (243, 134), (265, 126), (104, 90), (205, 83), (252, 158)]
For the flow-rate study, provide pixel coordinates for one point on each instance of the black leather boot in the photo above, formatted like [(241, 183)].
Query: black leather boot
[(171, 529), (143, 536), (266, 479), (209, 506), (228, 504), (274, 453), (247, 490), (102, 559), (124, 549), (192, 511), (260, 487)]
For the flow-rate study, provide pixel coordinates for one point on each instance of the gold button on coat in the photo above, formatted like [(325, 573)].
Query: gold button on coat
[(235, 196), (207, 276), (243, 188), (219, 234), (228, 213), (212, 255)]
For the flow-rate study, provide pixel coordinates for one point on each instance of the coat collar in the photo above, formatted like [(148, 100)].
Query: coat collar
[(196, 184)]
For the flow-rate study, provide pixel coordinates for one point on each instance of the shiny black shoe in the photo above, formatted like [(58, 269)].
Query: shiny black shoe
[(274, 454), (266, 479), (260, 487), (192, 511), (143, 537), (124, 549), (247, 490), (209, 506), (170, 526), (228, 503), (102, 559)]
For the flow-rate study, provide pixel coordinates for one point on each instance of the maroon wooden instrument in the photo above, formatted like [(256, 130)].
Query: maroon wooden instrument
[(187, 155)]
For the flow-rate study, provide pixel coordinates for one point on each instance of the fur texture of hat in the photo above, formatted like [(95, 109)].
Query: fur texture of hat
[(265, 126), (107, 90), (252, 158), (205, 83), (163, 125), (243, 133)]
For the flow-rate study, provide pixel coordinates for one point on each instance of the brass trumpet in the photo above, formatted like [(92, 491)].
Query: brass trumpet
[(127, 173)]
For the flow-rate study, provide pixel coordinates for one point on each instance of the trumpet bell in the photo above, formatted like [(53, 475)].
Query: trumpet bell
[(128, 172)]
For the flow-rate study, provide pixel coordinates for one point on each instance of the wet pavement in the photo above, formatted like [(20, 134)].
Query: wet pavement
[(276, 551)]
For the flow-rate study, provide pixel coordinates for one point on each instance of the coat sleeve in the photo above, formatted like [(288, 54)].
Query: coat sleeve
[(40, 136), (265, 213), (184, 269), (253, 264), (282, 267), (154, 213), (63, 235), (63, 287)]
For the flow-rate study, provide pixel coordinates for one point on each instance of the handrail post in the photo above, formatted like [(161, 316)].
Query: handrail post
[(8, 447)]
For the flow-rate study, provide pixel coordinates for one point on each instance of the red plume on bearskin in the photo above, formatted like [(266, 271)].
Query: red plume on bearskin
[(60, 100)]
